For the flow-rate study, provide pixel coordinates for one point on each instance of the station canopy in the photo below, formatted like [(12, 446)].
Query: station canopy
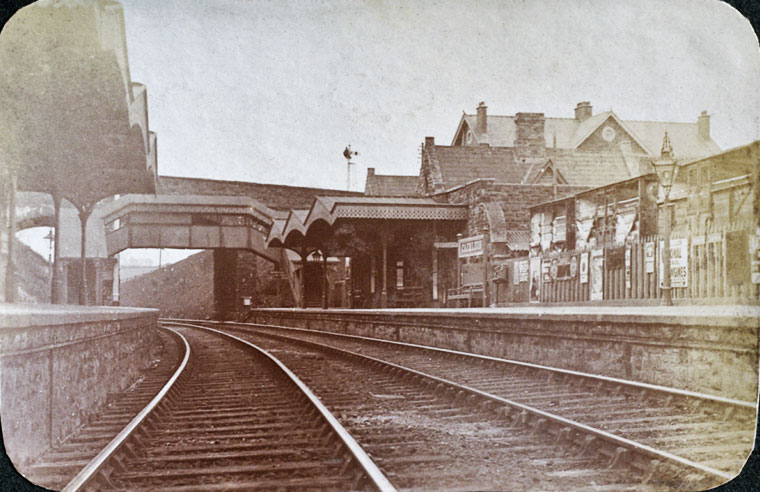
[(339, 220)]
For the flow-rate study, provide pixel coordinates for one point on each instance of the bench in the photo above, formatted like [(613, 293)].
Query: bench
[(469, 293), (409, 297)]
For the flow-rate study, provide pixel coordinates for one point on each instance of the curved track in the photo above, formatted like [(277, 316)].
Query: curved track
[(233, 419), (429, 435), (57, 467), (689, 436)]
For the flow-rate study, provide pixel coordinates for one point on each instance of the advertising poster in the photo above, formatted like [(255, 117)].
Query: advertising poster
[(679, 262), (754, 247), (597, 274), (583, 268), (535, 279), (649, 257), (628, 267), (524, 270)]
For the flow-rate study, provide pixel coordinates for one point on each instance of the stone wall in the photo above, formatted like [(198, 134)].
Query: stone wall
[(58, 365), (716, 355), (515, 200)]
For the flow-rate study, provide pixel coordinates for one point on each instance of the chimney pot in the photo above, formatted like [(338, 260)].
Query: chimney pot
[(703, 126), (583, 111), (482, 118)]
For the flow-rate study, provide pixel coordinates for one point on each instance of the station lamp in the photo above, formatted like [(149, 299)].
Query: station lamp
[(666, 168)]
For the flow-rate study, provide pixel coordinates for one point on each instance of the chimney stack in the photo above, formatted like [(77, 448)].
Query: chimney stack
[(482, 119), (583, 111), (529, 138), (703, 126), (429, 142)]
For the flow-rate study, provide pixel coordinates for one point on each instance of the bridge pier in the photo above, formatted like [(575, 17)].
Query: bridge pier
[(234, 282)]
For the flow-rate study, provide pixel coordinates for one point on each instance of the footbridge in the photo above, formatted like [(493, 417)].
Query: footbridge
[(189, 222)]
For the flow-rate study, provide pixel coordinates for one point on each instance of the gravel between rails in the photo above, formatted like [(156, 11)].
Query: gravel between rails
[(708, 434), (423, 441)]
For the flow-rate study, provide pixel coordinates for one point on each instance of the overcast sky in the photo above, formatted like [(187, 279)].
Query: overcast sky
[(273, 91)]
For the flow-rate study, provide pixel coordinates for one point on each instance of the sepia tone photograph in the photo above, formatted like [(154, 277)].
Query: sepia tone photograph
[(369, 245)]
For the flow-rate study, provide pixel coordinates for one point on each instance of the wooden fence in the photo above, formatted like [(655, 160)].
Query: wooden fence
[(716, 266)]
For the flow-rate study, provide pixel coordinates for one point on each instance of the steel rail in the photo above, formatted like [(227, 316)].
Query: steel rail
[(377, 477), (95, 465), (569, 372), (598, 433)]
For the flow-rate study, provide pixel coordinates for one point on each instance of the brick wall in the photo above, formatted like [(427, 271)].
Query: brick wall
[(275, 196)]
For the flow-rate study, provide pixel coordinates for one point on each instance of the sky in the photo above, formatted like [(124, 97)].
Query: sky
[(272, 91)]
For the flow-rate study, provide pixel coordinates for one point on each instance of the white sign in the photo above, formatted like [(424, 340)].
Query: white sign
[(584, 268), (523, 267), (628, 266), (597, 274), (679, 263), (470, 246), (649, 257)]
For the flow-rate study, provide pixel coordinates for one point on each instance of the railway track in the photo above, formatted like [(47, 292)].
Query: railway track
[(231, 418), (428, 435), (56, 468), (685, 437)]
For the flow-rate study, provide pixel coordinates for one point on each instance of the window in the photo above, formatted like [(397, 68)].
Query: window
[(399, 274)]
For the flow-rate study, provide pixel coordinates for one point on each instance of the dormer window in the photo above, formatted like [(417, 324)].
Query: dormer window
[(469, 137)]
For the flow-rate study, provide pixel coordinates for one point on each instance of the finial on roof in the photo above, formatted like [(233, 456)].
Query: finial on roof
[(667, 149)]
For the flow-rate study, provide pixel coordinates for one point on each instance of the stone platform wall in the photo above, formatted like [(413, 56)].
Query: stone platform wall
[(712, 354), (58, 365)]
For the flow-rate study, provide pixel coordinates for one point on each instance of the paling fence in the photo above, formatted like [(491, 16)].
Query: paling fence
[(719, 265)]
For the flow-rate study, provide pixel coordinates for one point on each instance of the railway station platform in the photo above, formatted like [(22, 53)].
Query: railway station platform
[(59, 363), (709, 349)]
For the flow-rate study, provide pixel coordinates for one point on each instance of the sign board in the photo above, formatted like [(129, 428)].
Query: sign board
[(628, 267), (524, 270), (679, 262), (545, 270), (573, 266), (584, 268), (649, 257), (754, 246), (535, 279), (470, 246), (597, 274)]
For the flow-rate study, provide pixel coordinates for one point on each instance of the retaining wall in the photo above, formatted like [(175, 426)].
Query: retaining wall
[(713, 350), (58, 364)]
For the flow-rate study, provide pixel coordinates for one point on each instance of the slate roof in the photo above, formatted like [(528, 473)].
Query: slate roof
[(570, 133), (518, 240), (584, 168), (460, 165), (391, 185)]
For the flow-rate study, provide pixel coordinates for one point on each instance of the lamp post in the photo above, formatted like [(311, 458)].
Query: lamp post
[(666, 168), (486, 242)]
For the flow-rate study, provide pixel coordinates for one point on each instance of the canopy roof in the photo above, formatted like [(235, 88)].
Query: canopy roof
[(304, 227)]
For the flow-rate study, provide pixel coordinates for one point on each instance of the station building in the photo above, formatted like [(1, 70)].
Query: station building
[(448, 240)]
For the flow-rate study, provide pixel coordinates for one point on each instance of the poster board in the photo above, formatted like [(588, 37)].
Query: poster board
[(596, 266)]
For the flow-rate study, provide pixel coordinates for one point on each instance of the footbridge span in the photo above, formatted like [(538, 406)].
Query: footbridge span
[(189, 222)]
